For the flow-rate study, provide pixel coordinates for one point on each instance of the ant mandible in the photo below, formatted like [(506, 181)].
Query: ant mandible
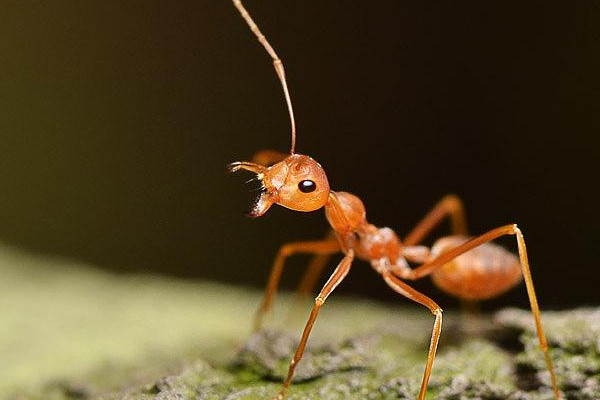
[(470, 268)]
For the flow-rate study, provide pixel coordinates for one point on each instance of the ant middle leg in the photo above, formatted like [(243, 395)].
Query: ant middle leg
[(319, 247), (400, 287), (451, 206)]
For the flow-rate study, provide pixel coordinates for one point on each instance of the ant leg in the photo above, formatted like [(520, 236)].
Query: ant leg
[(315, 268), (407, 291), (314, 247), (450, 205), (334, 280), (449, 255), (312, 274), (268, 157), (309, 280), (535, 309)]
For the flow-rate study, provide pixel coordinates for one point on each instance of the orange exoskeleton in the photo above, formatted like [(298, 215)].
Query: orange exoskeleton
[(470, 268)]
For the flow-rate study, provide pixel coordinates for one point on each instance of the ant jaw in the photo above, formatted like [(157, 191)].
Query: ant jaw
[(268, 196), (262, 205)]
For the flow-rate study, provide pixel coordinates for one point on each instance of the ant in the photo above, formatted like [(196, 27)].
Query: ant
[(471, 268)]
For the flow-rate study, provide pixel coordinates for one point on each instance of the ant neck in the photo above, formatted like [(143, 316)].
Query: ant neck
[(345, 213)]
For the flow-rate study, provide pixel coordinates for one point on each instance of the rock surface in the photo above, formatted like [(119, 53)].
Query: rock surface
[(68, 331)]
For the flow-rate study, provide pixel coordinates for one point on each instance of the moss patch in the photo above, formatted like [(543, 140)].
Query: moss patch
[(68, 331)]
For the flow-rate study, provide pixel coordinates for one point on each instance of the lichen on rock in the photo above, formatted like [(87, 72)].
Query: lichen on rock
[(267, 353), (574, 340)]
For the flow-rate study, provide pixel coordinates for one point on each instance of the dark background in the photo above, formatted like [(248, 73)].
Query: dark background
[(117, 120)]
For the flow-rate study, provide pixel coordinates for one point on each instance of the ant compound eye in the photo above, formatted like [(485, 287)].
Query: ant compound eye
[(307, 186)]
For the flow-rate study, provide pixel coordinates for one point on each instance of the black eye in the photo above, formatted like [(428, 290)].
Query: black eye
[(307, 186)]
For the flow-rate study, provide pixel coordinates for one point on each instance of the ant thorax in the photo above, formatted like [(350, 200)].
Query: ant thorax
[(347, 216), (378, 243)]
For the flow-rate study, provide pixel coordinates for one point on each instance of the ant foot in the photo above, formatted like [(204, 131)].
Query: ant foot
[(279, 396)]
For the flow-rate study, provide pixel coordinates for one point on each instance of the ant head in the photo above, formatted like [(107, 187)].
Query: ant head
[(298, 183)]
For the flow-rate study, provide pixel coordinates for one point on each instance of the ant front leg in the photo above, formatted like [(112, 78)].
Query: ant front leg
[(310, 279), (314, 270), (313, 247), (334, 280), (400, 287), (449, 255), (450, 205), (268, 157)]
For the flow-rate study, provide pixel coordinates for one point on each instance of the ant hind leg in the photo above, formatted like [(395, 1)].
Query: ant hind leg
[(449, 255), (449, 206)]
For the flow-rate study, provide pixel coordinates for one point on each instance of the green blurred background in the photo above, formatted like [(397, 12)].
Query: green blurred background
[(117, 119)]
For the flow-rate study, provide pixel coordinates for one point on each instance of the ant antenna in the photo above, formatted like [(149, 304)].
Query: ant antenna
[(276, 63)]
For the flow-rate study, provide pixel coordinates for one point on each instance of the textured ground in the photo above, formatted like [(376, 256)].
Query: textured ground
[(68, 331)]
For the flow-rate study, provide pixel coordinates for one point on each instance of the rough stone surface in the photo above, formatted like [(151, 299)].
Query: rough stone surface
[(70, 332)]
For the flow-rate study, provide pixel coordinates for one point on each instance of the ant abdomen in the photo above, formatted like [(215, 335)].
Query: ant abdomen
[(482, 273)]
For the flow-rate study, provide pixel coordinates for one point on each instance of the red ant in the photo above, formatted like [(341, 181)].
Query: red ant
[(470, 268)]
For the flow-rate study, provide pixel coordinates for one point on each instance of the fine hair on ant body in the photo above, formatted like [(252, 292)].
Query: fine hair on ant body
[(470, 268)]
